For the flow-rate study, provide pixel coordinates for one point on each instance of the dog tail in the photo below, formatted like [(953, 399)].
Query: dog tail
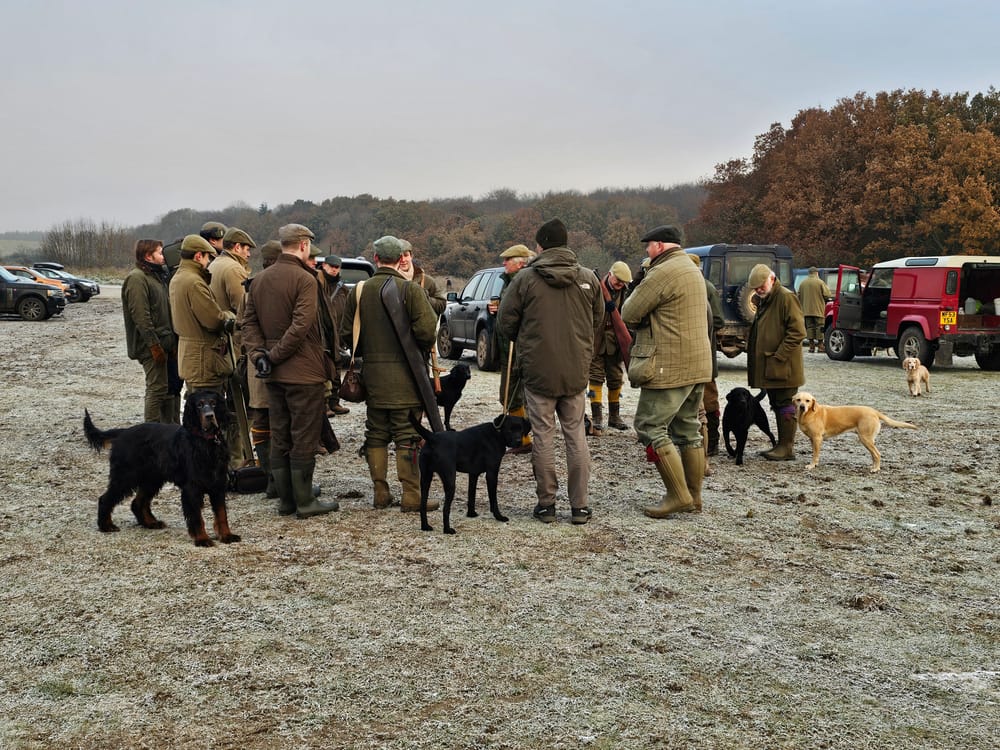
[(893, 423), (98, 439), (760, 396), (424, 432)]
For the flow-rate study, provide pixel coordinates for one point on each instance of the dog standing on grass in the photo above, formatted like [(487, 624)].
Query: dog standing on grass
[(193, 455), (916, 376), (473, 451)]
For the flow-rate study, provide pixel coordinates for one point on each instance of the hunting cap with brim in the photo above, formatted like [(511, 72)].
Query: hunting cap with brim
[(663, 233), (388, 248), (237, 237), (213, 230), (195, 243), (517, 251), (758, 275), (270, 251), (294, 233), (621, 271), (333, 260)]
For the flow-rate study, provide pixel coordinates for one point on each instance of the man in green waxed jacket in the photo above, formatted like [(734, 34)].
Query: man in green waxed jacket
[(149, 335), (670, 360), (774, 354), (392, 391), (552, 311)]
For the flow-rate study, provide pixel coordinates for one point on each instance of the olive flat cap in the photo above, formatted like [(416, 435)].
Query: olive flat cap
[(552, 234), (517, 251), (237, 236), (195, 243), (758, 275), (213, 230), (270, 251), (294, 233), (388, 248), (621, 271), (333, 260), (407, 246), (664, 233)]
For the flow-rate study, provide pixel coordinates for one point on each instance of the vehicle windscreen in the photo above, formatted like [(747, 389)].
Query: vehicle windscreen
[(738, 268)]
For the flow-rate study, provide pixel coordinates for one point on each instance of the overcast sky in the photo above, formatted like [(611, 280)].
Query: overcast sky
[(122, 111)]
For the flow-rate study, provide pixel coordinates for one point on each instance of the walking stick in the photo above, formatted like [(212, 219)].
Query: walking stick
[(506, 384), (435, 369)]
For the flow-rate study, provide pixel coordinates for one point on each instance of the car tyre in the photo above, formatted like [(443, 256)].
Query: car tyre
[(912, 343), (486, 355), (838, 344), (84, 297), (32, 308), (446, 346), (746, 302), (989, 362)]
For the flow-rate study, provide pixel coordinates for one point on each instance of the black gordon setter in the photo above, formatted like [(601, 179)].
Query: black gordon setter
[(193, 456)]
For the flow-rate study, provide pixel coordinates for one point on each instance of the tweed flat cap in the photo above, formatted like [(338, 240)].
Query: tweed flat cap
[(213, 230), (552, 234), (333, 260), (621, 271), (663, 233), (294, 233), (388, 248), (517, 251), (195, 243), (237, 236), (270, 251), (758, 275)]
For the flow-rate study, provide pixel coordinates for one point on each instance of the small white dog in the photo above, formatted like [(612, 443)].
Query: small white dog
[(916, 376)]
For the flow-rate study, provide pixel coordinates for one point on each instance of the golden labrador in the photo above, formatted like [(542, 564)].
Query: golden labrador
[(818, 422), (916, 376)]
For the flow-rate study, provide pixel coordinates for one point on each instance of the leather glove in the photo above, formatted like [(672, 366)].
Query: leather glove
[(230, 325), (609, 305), (159, 355), (263, 366)]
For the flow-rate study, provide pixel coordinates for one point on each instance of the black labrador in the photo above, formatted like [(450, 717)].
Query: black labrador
[(743, 409), (192, 455), (473, 451), (451, 390)]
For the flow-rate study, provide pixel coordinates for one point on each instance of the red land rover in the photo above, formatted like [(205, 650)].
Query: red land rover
[(916, 304)]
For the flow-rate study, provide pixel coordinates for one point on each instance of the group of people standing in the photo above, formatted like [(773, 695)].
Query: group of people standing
[(558, 326)]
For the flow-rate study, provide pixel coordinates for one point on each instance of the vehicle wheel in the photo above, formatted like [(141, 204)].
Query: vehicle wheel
[(84, 297), (486, 355), (746, 303), (447, 348), (74, 294), (32, 308), (913, 344), (839, 345), (989, 361)]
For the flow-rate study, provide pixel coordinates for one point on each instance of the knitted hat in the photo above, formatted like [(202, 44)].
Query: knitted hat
[(552, 234)]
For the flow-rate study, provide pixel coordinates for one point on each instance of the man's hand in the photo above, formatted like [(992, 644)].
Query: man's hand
[(159, 355), (609, 305), (230, 325), (263, 366)]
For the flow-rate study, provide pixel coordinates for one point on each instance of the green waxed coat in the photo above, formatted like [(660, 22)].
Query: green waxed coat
[(146, 308), (774, 346), (202, 357), (385, 372)]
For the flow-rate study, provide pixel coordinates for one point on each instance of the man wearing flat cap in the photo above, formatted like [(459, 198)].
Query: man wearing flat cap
[(412, 269), (552, 311), (393, 395), (774, 354), (514, 258), (213, 233), (336, 294), (200, 323), (813, 295), (607, 361), (670, 361), (285, 342)]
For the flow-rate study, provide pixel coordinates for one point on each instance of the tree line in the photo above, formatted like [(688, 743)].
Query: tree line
[(872, 178)]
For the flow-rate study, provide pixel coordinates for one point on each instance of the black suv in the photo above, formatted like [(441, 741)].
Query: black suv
[(467, 322), (28, 299), (728, 268), (81, 289)]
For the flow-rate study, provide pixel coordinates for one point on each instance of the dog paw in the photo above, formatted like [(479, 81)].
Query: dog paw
[(502, 519), (107, 526), (203, 542), (229, 538), (472, 514), (449, 530), (426, 527)]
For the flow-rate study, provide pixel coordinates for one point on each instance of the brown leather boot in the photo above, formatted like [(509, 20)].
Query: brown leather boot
[(615, 417), (678, 498), (596, 419)]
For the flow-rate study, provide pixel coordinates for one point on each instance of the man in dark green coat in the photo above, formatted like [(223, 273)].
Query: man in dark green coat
[(392, 390), (774, 354)]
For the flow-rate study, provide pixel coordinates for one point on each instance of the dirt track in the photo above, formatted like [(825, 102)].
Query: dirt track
[(833, 608)]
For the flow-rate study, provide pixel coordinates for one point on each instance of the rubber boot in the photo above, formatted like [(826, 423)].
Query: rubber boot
[(282, 476), (306, 504), (785, 449), (695, 469), (614, 416), (713, 433), (264, 456), (378, 468), (596, 418), (409, 477), (678, 498)]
